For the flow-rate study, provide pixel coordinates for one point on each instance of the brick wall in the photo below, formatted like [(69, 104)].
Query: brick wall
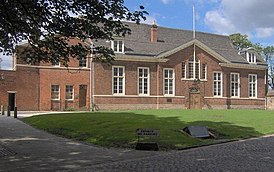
[(105, 100), (63, 77), (7, 83)]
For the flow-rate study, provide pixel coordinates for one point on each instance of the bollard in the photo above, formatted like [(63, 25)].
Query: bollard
[(15, 112), (8, 113), (2, 110)]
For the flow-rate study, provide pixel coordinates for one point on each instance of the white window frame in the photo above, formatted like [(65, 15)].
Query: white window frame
[(118, 43), (113, 78), (173, 82), (194, 67), (55, 91), (184, 64), (235, 82), (205, 72), (81, 60), (143, 78), (221, 84), (249, 84), (72, 93), (251, 57)]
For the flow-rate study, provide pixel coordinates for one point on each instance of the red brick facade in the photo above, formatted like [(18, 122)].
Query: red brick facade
[(42, 86)]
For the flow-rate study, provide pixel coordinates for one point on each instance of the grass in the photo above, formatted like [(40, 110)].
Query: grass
[(117, 129)]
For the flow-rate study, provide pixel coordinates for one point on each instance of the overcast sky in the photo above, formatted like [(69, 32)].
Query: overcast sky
[(252, 17)]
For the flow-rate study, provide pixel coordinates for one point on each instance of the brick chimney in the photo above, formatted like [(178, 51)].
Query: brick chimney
[(153, 32)]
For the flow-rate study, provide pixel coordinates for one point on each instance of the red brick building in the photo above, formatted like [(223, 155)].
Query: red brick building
[(154, 67)]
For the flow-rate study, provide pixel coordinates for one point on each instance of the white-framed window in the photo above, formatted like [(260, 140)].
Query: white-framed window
[(55, 92), (117, 46), (169, 78), (204, 71), (235, 84), (83, 62), (143, 81), (217, 84), (118, 80), (251, 57), (252, 85), (69, 92), (194, 68), (183, 70)]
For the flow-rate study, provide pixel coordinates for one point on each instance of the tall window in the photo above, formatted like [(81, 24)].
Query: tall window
[(69, 92), (251, 57), (183, 70), (252, 82), (83, 62), (55, 92), (117, 46), (143, 81), (193, 68), (217, 84), (118, 84), (204, 71), (169, 81), (235, 84)]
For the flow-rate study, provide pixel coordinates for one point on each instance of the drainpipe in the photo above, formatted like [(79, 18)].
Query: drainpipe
[(91, 87)]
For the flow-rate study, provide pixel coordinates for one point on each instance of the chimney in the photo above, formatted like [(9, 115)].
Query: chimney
[(153, 32)]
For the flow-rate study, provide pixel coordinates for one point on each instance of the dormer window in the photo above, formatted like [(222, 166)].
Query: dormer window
[(117, 46), (251, 57)]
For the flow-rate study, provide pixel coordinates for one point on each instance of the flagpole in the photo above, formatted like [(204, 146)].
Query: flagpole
[(194, 53)]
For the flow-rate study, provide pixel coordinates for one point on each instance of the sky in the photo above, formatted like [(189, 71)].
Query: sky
[(254, 18)]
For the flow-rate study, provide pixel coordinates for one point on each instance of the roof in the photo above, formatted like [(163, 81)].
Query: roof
[(138, 42)]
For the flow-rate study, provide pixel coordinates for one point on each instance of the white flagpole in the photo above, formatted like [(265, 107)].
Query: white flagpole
[(194, 53), (193, 22)]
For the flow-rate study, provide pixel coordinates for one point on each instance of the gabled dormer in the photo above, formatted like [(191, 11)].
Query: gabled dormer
[(118, 46), (250, 54)]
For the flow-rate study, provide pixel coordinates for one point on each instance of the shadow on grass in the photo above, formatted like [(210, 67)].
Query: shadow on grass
[(116, 129)]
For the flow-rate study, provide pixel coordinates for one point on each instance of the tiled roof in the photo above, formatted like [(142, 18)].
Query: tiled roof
[(138, 42)]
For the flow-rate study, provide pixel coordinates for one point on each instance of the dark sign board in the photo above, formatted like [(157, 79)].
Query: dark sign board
[(197, 131), (147, 132)]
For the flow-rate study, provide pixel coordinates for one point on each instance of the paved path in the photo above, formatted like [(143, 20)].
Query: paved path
[(27, 149)]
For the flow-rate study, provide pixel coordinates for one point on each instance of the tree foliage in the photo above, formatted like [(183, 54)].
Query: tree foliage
[(48, 25), (266, 52), (240, 41)]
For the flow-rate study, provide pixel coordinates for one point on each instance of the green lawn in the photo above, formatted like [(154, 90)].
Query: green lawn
[(117, 129)]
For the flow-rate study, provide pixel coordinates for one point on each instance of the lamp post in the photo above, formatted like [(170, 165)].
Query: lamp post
[(90, 43)]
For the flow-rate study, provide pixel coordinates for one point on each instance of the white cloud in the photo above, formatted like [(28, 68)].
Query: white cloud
[(245, 16), (166, 1), (264, 32), (218, 22)]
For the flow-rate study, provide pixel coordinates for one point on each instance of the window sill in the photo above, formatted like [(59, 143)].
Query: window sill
[(69, 100), (55, 100)]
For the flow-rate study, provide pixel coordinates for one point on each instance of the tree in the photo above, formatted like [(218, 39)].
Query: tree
[(240, 41), (48, 25), (266, 52)]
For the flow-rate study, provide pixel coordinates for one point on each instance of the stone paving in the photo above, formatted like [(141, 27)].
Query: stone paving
[(248, 155), (34, 150)]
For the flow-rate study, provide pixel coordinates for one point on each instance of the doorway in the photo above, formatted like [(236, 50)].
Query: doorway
[(11, 101), (194, 100), (82, 96)]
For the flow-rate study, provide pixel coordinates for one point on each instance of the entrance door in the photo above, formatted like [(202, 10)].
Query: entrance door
[(195, 100), (82, 96), (11, 101)]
